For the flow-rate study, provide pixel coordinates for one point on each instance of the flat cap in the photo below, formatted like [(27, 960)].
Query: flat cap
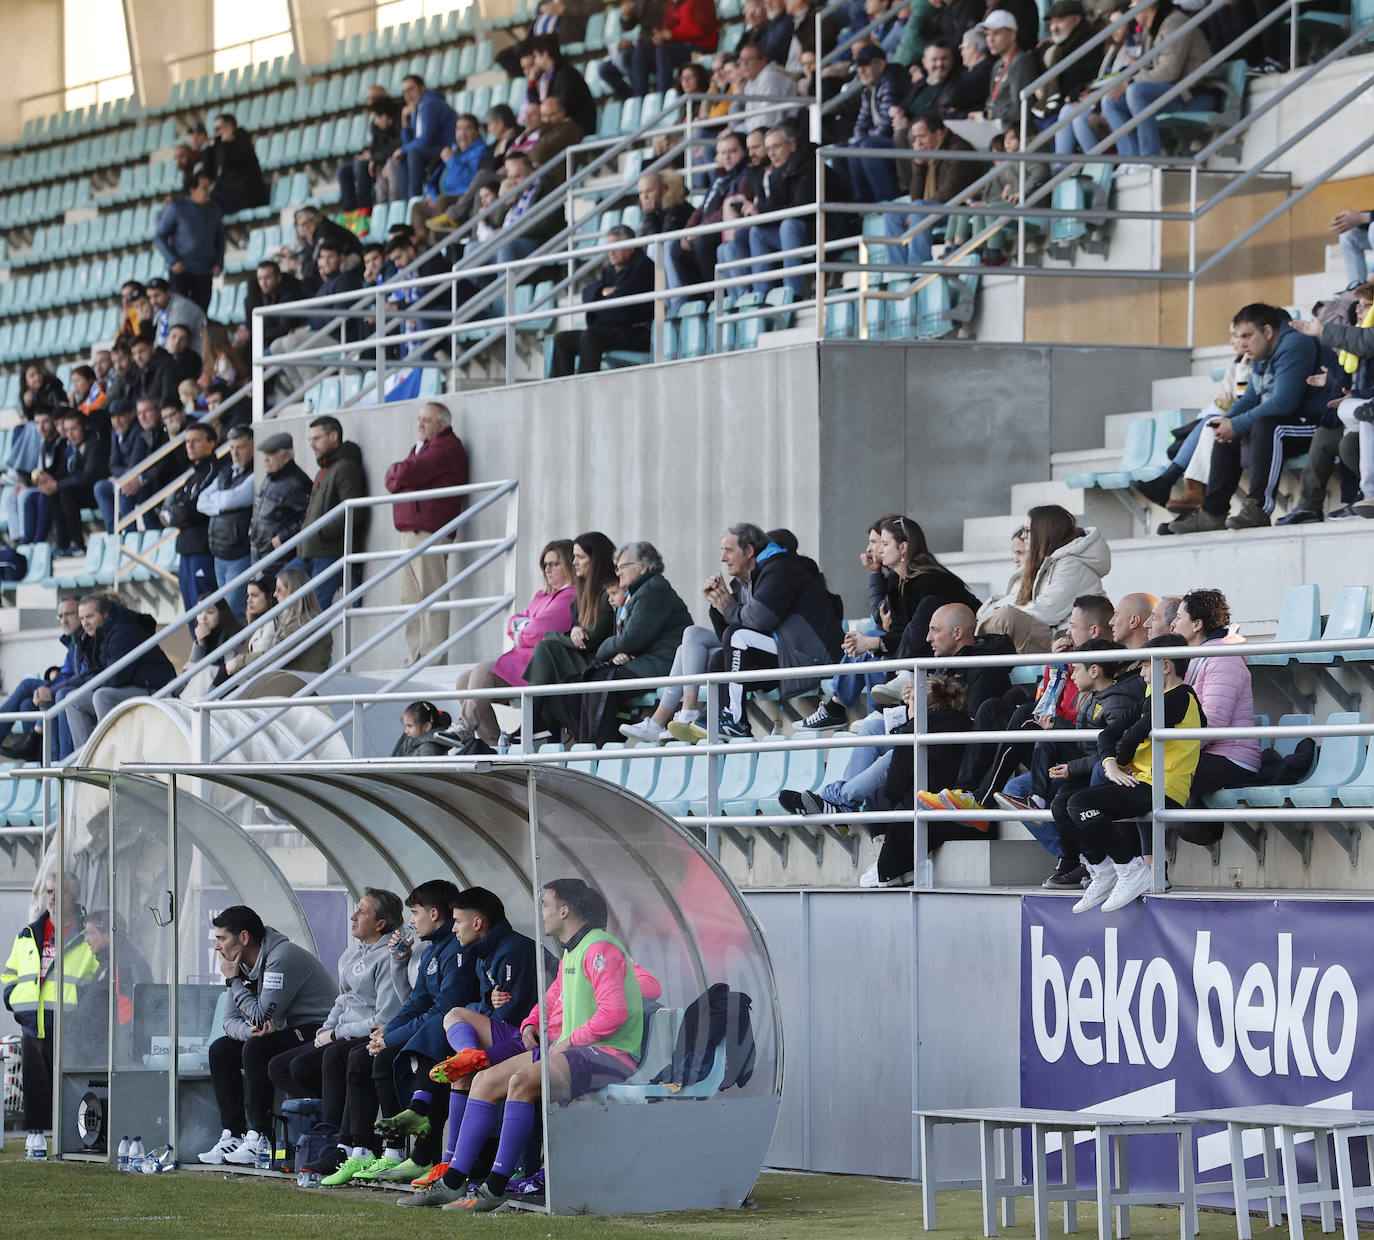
[(280, 442)]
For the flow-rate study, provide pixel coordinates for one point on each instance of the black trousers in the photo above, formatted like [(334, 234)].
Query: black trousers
[(1090, 821), (238, 1071), (310, 1071), (587, 346), (358, 1125), (396, 1076), (36, 1057), (1224, 477), (66, 515), (1330, 444), (1213, 773), (198, 288)]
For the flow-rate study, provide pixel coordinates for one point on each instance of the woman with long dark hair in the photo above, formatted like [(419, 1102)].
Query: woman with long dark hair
[(562, 657)]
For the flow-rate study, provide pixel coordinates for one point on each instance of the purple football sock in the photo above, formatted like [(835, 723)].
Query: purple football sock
[(479, 1122), (516, 1127), (462, 1036), (457, 1103)]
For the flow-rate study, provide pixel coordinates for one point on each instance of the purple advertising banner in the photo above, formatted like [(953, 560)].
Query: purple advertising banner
[(1188, 1005)]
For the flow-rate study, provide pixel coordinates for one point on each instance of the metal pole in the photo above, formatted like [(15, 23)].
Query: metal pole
[(509, 309), (532, 806), (348, 550), (174, 982), (820, 241), (60, 879), (713, 770), (259, 368), (925, 871), (1157, 804), (379, 357), (114, 928), (1293, 34)]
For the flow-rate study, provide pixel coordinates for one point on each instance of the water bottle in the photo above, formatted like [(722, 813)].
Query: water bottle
[(308, 1179), (28, 1145), (40, 1147), (123, 1163), (135, 1153), (160, 1159), (264, 1159)]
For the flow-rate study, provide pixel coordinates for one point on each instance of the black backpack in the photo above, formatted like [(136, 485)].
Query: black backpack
[(716, 1020), (13, 564)]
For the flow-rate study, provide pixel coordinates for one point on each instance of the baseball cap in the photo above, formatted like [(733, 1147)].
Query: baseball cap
[(998, 19), (867, 54)]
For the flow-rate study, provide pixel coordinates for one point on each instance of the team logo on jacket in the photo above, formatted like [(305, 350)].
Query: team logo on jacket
[(432, 968), (599, 963), (357, 968)]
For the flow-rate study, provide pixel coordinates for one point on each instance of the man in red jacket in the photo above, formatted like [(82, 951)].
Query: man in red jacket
[(438, 459), (689, 27)]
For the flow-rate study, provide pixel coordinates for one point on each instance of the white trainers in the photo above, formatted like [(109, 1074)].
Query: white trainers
[(221, 1149), (869, 878), (889, 693), (248, 1149), (1132, 882), (645, 731), (1104, 879)]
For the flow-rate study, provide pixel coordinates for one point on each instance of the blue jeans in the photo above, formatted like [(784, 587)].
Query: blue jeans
[(196, 577), (1144, 139), (226, 571), (1354, 242), (37, 514), (866, 772), (848, 688), (917, 250), (1045, 832), (873, 179), (62, 743), (21, 699), (104, 502), (325, 591), (764, 239)]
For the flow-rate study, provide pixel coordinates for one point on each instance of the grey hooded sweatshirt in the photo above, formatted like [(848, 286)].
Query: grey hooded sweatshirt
[(368, 992), (287, 986)]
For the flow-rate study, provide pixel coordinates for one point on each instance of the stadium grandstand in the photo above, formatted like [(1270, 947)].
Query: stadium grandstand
[(805, 470)]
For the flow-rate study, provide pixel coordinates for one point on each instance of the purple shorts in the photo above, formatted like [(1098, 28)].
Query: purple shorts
[(505, 1042), (590, 1068)]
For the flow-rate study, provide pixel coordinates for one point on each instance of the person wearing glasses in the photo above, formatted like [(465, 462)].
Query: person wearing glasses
[(549, 611)]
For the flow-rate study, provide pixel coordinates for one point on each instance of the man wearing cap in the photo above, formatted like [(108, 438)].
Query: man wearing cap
[(281, 501), (438, 459), (174, 310), (1069, 30), (1012, 69), (190, 236), (874, 180), (228, 502)]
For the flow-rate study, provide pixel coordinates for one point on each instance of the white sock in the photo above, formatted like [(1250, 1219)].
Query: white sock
[(392, 1152), (361, 1151)]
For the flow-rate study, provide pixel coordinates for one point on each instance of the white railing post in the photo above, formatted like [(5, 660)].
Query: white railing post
[(1157, 801), (713, 769), (925, 871)]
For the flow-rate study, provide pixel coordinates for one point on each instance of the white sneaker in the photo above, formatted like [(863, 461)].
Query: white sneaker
[(889, 693), (247, 1152), (869, 878), (646, 730), (1132, 882), (221, 1149), (1104, 879)]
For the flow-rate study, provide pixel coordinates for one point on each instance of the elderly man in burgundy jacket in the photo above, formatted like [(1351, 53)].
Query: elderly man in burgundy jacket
[(438, 459)]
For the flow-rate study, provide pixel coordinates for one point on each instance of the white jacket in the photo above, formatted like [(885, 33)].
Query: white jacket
[(1076, 568)]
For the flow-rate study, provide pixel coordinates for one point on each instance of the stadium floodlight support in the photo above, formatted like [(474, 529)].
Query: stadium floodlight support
[(778, 828)]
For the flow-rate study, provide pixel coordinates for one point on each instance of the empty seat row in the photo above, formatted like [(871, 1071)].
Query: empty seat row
[(211, 88), (76, 121), (45, 337), (83, 282), (407, 37), (89, 155), (30, 206), (147, 181), (110, 230)]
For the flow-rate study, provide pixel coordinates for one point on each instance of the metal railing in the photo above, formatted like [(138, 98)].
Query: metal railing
[(714, 825)]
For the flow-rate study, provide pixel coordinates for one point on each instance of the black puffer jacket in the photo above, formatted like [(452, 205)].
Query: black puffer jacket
[(982, 684), (179, 509), (790, 601), (279, 507), (1112, 709)]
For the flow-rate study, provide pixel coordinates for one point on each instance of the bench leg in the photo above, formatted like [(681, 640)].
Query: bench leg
[(1292, 1187), (1040, 1183), (1345, 1184), (1070, 1178), (1271, 1176), (1328, 1210), (927, 1173), (1123, 1186), (1187, 1186), (1103, 1150), (1235, 1136), (987, 1158), (1011, 1162)]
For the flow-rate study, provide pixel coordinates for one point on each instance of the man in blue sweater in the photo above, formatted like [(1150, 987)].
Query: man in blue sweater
[(447, 198), (190, 236), (427, 126), (1278, 397)]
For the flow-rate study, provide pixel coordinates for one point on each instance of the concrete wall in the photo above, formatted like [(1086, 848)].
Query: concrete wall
[(158, 32), (33, 28), (819, 438)]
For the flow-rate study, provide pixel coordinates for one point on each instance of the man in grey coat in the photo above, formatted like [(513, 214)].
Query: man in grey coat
[(279, 996), (371, 992)]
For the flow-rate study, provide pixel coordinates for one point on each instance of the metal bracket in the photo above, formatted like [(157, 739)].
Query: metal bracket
[(1363, 669), (1254, 835), (849, 841), (1300, 838), (1347, 835), (745, 843), (1302, 703), (776, 838), (1139, 516), (1171, 844), (1346, 699)]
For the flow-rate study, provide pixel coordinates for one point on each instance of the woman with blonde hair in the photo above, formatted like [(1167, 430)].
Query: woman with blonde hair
[(302, 608), (549, 611)]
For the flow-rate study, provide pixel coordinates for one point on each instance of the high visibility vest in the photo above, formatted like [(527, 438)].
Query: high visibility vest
[(29, 992), (579, 999)]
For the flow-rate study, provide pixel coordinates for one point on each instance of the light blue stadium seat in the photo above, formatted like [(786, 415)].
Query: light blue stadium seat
[(1180, 127), (1349, 619), (1300, 620), (1230, 798), (693, 788), (769, 778), (1339, 761), (1135, 457)]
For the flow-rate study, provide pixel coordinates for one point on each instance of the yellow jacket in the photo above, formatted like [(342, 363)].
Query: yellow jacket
[(31, 997)]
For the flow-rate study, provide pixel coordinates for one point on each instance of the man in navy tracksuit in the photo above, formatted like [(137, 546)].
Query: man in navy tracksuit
[(413, 1041), (1278, 395)]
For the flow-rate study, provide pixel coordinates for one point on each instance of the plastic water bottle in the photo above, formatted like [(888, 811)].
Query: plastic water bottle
[(308, 1179), (264, 1160), (123, 1163), (40, 1147), (135, 1153), (28, 1145), (160, 1159)]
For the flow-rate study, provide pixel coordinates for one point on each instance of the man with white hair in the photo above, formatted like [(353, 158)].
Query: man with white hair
[(437, 459)]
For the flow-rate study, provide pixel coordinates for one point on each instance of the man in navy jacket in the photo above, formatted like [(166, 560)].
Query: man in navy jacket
[(627, 271), (427, 127), (413, 1040), (1278, 396)]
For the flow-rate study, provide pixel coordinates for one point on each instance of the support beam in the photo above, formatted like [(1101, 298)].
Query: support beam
[(160, 32), (37, 72)]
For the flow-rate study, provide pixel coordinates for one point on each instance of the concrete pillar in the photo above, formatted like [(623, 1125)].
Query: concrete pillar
[(35, 78), (159, 33), (315, 31)]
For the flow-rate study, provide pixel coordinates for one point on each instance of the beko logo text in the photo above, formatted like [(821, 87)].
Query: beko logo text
[(1278, 1019)]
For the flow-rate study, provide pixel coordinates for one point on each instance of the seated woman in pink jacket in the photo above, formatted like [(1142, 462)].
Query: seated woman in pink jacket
[(549, 611), (1224, 693)]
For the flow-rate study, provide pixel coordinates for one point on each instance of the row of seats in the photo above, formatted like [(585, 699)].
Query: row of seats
[(213, 88), (43, 203), (156, 180), (21, 801), (406, 38), (64, 286), (73, 122), (110, 230), (88, 155), (1342, 773), (98, 567)]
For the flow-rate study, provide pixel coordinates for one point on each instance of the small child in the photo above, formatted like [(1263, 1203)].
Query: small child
[(617, 596), (421, 721), (1092, 820)]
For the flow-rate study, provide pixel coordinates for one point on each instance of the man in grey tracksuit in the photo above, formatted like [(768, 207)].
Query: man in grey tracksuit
[(279, 996), (371, 990)]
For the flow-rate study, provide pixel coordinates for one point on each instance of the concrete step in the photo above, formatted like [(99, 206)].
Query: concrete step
[(1315, 287), (991, 863), (1183, 392), (989, 536), (1085, 461), (1208, 357)]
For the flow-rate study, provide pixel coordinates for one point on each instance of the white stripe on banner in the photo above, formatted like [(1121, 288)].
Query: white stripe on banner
[(1149, 1103), (1214, 1150)]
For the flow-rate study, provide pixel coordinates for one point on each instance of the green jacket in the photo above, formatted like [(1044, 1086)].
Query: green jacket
[(920, 28), (654, 620), (340, 478)]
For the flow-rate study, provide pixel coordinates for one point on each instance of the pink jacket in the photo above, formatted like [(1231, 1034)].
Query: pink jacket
[(547, 613), (608, 984), (1223, 690)]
